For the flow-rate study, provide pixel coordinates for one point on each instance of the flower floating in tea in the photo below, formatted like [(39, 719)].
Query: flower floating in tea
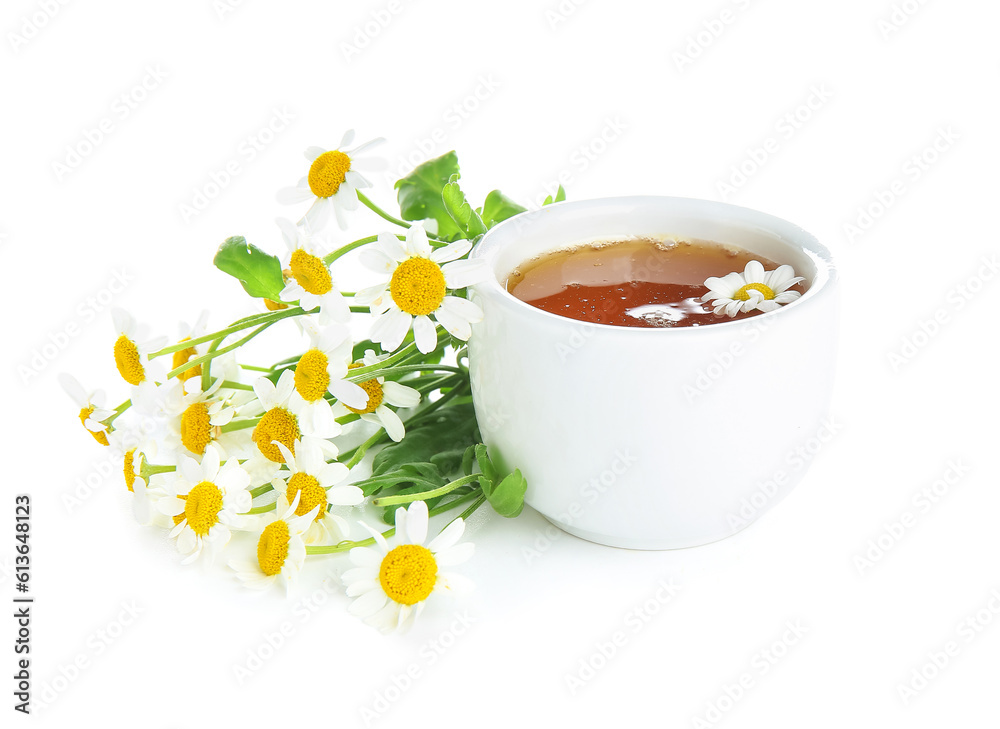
[(755, 288)]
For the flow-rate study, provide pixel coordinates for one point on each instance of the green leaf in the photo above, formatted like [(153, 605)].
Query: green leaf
[(467, 459), (417, 447), (430, 451), (560, 196), (460, 210), (448, 462), (420, 194), (498, 207), (259, 272), (507, 499), (486, 465)]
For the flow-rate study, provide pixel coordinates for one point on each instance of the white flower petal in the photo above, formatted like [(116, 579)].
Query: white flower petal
[(264, 390), (460, 274), (293, 195), (455, 555), (754, 272), (399, 395), (416, 523), (390, 329), (416, 241), (366, 557), (187, 541), (451, 252), (454, 583), (368, 604), (373, 258), (346, 139), (391, 422), (448, 537), (349, 393), (425, 334)]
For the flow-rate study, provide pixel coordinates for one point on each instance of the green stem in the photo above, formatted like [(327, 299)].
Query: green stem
[(424, 495), (360, 451), (263, 509), (234, 425), (468, 512), (439, 403), (360, 374), (153, 470), (238, 385), (425, 368), (261, 490), (256, 369), (218, 353), (118, 411), (347, 546), (247, 323), (331, 257), (392, 219), (206, 377), (380, 212)]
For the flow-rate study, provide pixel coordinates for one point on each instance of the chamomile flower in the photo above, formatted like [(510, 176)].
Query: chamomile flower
[(418, 287), (309, 279), (91, 404), (280, 421), (281, 550), (196, 418), (132, 350), (183, 356), (313, 483), (333, 181), (207, 500), (322, 370), (392, 584), (381, 394), (134, 448), (753, 289)]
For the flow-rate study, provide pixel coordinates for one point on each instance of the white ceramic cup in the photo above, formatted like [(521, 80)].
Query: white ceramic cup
[(653, 438)]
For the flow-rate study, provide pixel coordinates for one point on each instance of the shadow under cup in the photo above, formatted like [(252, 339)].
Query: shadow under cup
[(653, 438)]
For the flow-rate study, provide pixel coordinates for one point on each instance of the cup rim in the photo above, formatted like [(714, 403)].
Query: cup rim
[(826, 272)]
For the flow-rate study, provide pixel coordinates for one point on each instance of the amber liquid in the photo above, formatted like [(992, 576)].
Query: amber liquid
[(634, 283)]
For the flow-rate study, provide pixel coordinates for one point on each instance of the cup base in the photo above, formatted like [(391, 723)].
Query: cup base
[(645, 545)]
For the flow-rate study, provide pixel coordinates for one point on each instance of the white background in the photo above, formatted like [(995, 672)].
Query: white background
[(524, 91)]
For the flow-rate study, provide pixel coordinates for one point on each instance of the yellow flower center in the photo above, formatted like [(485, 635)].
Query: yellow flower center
[(204, 502), (310, 272), (311, 377), (744, 292), (417, 286), (129, 469), (277, 425), (408, 573), (101, 437), (181, 358), (274, 305), (196, 428), (127, 359), (272, 548), (375, 395), (328, 172), (312, 494)]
